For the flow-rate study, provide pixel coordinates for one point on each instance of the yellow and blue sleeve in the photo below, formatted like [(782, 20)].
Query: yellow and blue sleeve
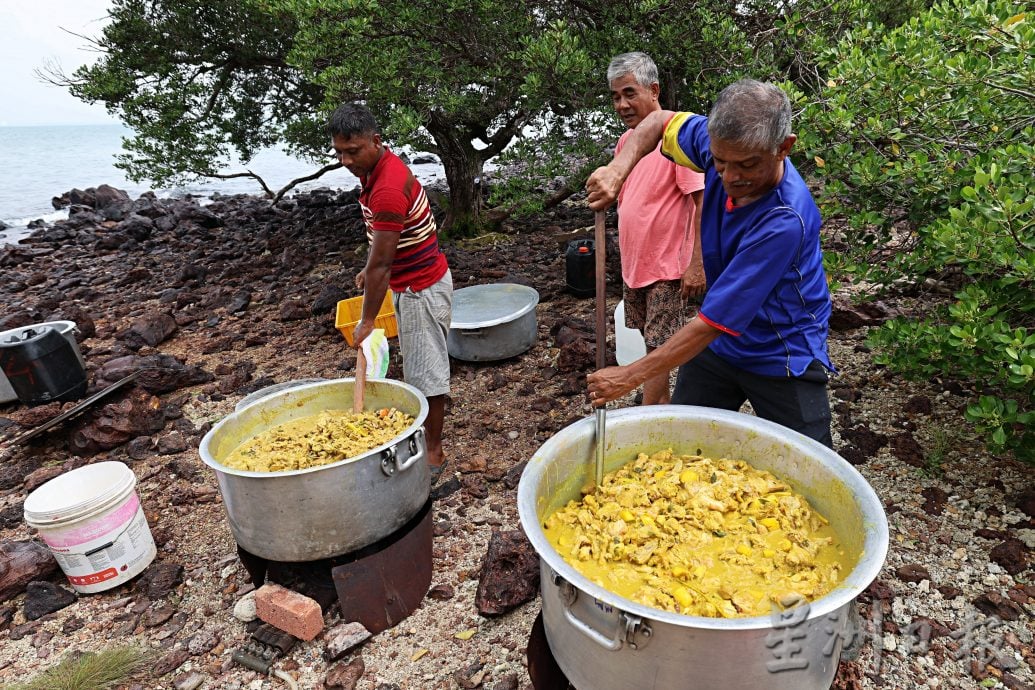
[(670, 147)]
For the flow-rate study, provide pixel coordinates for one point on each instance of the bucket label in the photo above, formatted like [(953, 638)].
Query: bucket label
[(93, 578), (65, 538)]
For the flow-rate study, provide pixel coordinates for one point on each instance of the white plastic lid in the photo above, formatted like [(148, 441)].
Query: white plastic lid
[(77, 493)]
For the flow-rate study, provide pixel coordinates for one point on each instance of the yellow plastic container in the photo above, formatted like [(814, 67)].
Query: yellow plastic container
[(350, 310)]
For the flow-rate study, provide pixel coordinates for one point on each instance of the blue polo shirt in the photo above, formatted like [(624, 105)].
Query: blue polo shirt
[(767, 291)]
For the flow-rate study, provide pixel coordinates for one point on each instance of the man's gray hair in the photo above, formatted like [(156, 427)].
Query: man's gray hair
[(639, 65), (351, 119), (751, 114)]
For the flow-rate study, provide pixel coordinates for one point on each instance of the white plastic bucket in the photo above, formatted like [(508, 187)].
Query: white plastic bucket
[(65, 328), (92, 520), (629, 345)]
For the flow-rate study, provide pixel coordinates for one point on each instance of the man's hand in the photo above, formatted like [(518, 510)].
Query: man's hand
[(693, 282), (609, 384), (361, 279), (603, 187), (363, 329)]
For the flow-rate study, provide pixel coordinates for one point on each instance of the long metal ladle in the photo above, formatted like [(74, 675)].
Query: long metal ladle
[(601, 332)]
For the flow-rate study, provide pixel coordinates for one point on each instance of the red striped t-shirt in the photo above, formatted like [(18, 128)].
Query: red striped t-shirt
[(394, 201)]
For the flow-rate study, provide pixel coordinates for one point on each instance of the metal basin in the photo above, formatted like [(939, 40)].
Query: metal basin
[(603, 641), (320, 512), (492, 322)]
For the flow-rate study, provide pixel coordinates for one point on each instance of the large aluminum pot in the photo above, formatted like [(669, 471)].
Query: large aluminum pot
[(304, 515), (603, 641), (492, 322)]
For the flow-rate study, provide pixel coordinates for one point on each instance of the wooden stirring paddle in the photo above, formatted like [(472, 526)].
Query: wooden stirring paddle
[(361, 381)]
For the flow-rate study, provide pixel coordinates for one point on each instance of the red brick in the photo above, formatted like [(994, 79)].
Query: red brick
[(288, 610)]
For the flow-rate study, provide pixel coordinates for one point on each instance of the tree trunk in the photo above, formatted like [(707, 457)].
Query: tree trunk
[(463, 166)]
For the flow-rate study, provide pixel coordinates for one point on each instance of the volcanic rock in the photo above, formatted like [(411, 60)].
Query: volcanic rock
[(1026, 502), (170, 662), (860, 443), (6, 616), (845, 316), (293, 310), (442, 592), (905, 448), (191, 212), (154, 617), (576, 355), (1011, 554), (995, 604), (138, 414), (475, 485), (935, 500), (509, 575), (345, 676), (150, 329), (161, 578), (136, 226), (160, 373), (239, 302), (43, 597), (327, 300), (22, 562), (106, 197), (30, 417), (911, 572)]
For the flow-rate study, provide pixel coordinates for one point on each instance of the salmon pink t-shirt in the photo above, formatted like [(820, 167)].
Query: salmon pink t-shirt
[(655, 214)]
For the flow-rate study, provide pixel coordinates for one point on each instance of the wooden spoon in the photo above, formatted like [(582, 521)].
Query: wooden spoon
[(361, 381)]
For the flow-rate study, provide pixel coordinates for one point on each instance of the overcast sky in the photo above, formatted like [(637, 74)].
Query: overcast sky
[(34, 34)]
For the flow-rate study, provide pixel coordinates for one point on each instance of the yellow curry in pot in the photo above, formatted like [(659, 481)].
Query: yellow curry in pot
[(318, 439), (700, 537)]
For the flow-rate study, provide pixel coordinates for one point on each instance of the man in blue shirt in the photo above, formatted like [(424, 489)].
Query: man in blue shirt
[(761, 331)]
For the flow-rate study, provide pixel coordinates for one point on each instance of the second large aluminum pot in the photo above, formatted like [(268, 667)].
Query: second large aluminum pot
[(305, 515), (603, 641), (492, 322)]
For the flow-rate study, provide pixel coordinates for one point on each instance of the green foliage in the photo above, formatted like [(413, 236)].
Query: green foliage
[(921, 138), (89, 671), (199, 81)]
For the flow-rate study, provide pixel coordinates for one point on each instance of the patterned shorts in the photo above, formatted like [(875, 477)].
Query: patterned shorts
[(656, 310)]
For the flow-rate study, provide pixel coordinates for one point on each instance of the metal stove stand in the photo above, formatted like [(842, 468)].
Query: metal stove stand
[(378, 585), (542, 667)]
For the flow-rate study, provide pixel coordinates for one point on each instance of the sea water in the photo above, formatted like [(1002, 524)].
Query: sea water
[(42, 162)]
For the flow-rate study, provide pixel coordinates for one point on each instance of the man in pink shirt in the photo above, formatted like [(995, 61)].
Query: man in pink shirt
[(658, 227)]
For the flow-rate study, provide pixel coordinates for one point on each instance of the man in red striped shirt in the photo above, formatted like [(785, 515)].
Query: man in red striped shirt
[(404, 257)]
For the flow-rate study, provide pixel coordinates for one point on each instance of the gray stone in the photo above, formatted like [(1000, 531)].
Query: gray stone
[(342, 639), (188, 681), (244, 609)]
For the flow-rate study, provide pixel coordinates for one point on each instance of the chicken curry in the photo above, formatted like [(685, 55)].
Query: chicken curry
[(318, 439), (700, 537)]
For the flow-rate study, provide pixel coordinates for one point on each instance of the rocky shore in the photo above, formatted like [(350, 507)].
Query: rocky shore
[(214, 301)]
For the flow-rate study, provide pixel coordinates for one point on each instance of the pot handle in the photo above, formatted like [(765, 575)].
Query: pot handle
[(418, 452), (472, 332), (629, 626)]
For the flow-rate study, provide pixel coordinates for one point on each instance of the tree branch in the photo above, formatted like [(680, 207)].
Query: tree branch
[(1007, 89), (249, 173), (297, 181)]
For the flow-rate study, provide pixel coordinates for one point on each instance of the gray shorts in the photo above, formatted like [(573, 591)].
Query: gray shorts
[(424, 319)]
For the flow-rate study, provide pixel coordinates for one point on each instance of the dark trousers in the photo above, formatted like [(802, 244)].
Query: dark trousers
[(798, 403)]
